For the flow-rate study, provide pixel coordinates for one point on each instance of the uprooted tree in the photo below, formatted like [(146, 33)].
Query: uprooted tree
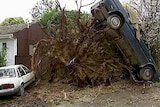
[(77, 54)]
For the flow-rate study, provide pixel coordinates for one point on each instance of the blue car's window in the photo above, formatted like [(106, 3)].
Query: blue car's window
[(9, 72)]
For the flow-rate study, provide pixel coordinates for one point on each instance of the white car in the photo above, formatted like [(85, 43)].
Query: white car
[(13, 79)]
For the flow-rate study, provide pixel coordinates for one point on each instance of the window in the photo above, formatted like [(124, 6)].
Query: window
[(31, 49), (19, 75), (21, 71), (9, 72), (4, 45), (26, 69)]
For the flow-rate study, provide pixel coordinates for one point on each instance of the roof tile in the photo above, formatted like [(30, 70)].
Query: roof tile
[(12, 28)]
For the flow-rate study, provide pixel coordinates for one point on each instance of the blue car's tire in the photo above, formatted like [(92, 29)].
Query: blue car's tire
[(114, 21), (146, 73)]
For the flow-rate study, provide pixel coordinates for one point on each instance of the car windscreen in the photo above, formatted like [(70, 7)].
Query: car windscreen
[(8, 72)]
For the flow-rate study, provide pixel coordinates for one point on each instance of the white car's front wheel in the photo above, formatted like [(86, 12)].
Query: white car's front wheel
[(114, 21)]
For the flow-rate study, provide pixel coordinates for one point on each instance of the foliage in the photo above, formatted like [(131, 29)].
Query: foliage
[(149, 15), (156, 52), (41, 7), (3, 57), (134, 16), (50, 19), (71, 15), (46, 12), (12, 21)]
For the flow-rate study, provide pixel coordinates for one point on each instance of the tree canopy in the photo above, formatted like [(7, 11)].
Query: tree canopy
[(12, 21), (41, 7), (50, 19), (47, 13)]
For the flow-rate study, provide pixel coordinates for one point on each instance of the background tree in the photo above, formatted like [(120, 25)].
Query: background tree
[(12, 21), (149, 12), (41, 7), (50, 20), (48, 15)]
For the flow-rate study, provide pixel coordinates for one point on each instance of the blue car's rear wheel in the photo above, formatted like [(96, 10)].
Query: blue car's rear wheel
[(114, 21), (146, 73)]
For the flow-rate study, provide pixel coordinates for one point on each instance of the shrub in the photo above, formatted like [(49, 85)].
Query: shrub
[(3, 57)]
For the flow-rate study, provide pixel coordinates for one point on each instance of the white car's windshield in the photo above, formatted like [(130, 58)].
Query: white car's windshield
[(9, 72)]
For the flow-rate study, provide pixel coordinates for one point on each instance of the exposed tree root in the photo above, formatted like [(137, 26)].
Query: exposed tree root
[(77, 55)]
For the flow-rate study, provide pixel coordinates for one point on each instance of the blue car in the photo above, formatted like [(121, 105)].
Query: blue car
[(114, 19)]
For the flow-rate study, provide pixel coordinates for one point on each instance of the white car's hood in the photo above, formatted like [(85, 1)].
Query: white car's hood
[(6, 80)]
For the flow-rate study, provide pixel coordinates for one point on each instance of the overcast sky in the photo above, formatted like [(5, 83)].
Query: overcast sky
[(17, 8)]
